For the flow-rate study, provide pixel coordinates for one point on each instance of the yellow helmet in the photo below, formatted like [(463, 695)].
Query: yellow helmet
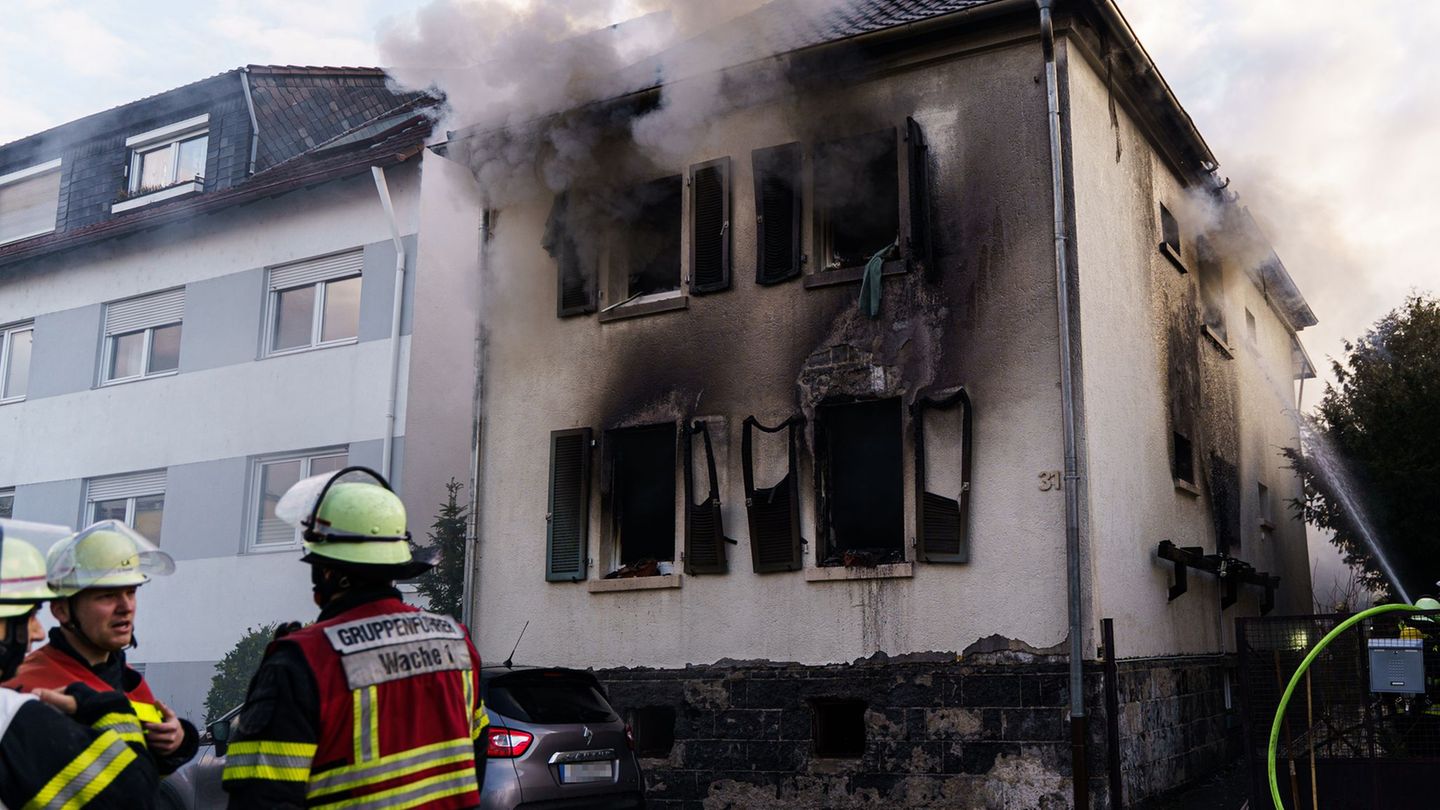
[(22, 568), (107, 554), (352, 522)]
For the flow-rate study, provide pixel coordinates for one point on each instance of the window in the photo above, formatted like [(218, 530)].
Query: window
[(645, 240), (7, 503), (136, 499), (575, 268), (1266, 509), (273, 477), (1212, 290), (860, 483), (857, 198), (654, 729), (1170, 239), (1182, 458), (942, 477), (15, 346), (838, 728), (29, 201), (640, 493), (777, 213), (1252, 331), (142, 336), (168, 156), (315, 303)]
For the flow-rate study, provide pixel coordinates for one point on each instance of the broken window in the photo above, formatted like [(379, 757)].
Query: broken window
[(859, 482), (857, 198), (575, 268), (568, 517), (773, 511), (704, 531), (777, 213), (654, 730), (942, 477), (838, 727), (648, 238), (710, 226), (641, 501), (1182, 458), (1212, 289)]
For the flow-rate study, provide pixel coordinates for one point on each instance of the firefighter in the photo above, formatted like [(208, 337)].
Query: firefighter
[(96, 573), (98, 759), (377, 704)]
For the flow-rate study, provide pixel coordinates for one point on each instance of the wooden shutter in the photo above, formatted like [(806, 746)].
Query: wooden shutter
[(710, 226), (777, 213), (917, 153), (568, 519), (575, 277), (774, 512), (704, 531), (146, 311), (942, 533)]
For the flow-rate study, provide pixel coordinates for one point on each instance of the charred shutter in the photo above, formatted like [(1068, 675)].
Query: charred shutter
[(917, 152), (704, 532), (774, 512), (575, 294), (568, 518), (777, 213), (942, 535), (710, 222)]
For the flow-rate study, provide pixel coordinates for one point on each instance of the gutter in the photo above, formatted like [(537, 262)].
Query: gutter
[(392, 388), (1079, 776), (254, 124)]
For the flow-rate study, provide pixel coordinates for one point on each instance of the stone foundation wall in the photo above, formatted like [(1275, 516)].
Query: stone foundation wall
[(1174, 726)]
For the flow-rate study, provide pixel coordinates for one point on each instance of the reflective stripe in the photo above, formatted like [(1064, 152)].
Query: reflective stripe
[(482, 719), (393, 766), (416, 794), (264, 759), (467, 681), (367, 722), (85, 776), (147, 712), (124, 725)]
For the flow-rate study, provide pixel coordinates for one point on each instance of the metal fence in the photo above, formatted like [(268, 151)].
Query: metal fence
[(1341, 745)]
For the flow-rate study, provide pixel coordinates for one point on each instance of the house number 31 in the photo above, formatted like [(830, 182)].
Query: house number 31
[(1050, 481)]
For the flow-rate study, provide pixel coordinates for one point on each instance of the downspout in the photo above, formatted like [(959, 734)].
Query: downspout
[(1078, 732), (469, 589), (399, 298), (254, 124)]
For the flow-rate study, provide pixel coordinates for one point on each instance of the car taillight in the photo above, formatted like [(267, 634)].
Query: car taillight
[(506, 742), (629, 736)]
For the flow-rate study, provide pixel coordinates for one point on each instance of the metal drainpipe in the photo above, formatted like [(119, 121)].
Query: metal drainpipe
[(254, 124), (1078, 732), (393, 388), (470, 587)]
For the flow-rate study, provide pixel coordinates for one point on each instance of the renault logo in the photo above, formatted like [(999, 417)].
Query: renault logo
[(589, 735)]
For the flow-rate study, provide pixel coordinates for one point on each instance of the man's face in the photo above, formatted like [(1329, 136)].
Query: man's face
[(106, 616), (36, 631)]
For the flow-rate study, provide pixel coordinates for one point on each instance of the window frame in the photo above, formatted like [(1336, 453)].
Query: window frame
[(167, 137), (30, 173), (7, 334), (826, 545), (612, 542), (8, 492), (148, 345), (252, 502), (137, 492), (317, 317), (616, 301)]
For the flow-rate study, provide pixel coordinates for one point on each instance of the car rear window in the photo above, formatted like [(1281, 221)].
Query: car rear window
[(549, 699)]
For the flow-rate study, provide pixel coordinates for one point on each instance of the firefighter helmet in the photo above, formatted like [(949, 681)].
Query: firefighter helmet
[(22, 567), (107, 554), (350, 521)]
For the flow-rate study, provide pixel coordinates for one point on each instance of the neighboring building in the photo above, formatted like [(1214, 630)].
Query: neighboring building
[(196, 296), (675, 356)]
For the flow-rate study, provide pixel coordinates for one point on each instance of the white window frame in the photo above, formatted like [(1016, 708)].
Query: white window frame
[(317, 312), (8, 492), (108, 354), (146, 484), (26, 174), (252, 504), (6, 335), (167, 137)]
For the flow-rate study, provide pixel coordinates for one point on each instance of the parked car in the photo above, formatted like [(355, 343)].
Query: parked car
[(554, 741)]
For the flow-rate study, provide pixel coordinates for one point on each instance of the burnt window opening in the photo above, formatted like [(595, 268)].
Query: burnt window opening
[(710, 226), (568, 517), (705, 539), (1169, 230), (1182, 459), (575, 270), (648, 220), (777, 213), (641, 493), (1265, 508), (1252, 330), (859, 483), (773, 511), (942, 477), (838, 727), (857, 198), (1212, 289), (654, 730)]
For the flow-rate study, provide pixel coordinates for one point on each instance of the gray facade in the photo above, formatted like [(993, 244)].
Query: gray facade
[(67, 350)]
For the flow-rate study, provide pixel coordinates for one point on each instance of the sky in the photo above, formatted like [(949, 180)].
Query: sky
[(1324, 120)]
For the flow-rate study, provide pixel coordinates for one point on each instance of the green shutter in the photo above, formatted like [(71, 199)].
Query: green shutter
[(777, 213), (568, 518), (942, 531), (921, 247), (710, 226), (704, 530), (774, 512)]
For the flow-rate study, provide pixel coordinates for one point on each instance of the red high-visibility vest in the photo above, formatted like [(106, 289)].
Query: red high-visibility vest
[(50, 668), (399, 711)]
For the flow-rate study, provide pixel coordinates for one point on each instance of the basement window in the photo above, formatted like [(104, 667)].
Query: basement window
[(857, 198), (640, 500), (645, 252), (860, 483), (838, 728), (654, 730), (7, 503)]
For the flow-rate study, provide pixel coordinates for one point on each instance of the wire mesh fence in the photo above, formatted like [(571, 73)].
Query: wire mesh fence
[(1342, 745)]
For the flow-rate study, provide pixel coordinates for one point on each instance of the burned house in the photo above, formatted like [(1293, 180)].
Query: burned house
[(790, 431), (198, 308)]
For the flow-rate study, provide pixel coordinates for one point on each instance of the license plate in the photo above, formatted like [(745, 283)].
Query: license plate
[(573, 772)]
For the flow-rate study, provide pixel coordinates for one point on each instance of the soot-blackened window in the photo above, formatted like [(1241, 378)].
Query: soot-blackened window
[(1169, 230), (649, 224), (642, 493), (838, 728), (857, 198), (654, 730), (1182, 458), (860, 482)]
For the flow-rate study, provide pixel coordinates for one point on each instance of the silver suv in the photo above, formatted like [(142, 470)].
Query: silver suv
[(554, 742)]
